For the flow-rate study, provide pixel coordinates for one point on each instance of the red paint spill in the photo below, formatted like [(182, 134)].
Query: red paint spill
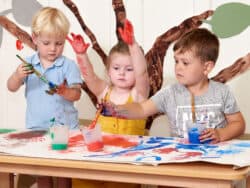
[(95, 146), (76, 140), (166, 150), (27, 134), (118, 141), (19, 45), (135, 153), (188, 155)]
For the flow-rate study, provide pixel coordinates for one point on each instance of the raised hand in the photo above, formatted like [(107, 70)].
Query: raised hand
[(127, 32), (78, 43)]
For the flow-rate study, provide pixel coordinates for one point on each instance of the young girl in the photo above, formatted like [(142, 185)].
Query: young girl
[(127, 71), (129, 82)]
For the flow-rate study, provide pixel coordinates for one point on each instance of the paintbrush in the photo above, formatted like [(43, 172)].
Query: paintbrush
[(193, 108), (52, 86), (98, 113)]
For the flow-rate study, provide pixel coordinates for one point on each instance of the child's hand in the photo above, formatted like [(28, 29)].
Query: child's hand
[(78, 43), (62, 89), (127, 33), (23, 70), (110, 109), (210, 134)]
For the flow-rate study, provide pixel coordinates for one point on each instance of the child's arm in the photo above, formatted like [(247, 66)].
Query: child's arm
[(16, 79), (94, 83), (234, 128), (72, 93), (138, 59), (132, 110)]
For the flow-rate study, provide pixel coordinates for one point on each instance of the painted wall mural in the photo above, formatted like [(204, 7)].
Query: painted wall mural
[(220, 19)]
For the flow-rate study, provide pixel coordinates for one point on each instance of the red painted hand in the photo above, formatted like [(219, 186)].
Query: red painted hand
[(78, 43), (62, 89), (127, 33)]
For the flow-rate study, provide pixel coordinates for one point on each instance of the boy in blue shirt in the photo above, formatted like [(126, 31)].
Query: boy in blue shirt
[(49, 30)]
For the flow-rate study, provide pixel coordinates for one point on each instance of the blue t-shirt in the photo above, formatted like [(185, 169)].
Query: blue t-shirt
[(42, 107)]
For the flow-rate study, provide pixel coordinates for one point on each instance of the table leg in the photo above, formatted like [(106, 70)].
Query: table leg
[(7, 180), (248, 182)]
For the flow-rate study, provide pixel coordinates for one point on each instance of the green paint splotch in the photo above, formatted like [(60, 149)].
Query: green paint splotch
[(230, 19)]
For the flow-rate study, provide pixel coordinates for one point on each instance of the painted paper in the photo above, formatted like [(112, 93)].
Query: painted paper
[(150, 150)]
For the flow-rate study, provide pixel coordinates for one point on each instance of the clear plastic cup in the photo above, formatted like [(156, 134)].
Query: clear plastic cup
[(195, 130), (59, 137), (93, 138)]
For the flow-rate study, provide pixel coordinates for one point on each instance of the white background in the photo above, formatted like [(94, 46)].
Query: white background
[(150, 18)]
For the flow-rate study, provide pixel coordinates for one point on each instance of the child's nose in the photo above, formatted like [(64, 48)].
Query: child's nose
[(52, 47), (121, 72), (178, 66)]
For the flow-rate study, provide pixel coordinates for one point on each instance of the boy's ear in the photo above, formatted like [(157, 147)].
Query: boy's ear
[(34, 38), (208, 67)]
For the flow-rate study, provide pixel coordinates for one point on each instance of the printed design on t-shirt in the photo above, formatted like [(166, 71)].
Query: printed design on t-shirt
[(211, 113)]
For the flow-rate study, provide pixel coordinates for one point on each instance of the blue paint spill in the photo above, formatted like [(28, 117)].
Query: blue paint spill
[(242, 144), (157, 158), (228, 151)]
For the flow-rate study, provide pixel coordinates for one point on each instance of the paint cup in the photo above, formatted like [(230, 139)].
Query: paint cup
[(59, 137), (93, 138), (195, 130)]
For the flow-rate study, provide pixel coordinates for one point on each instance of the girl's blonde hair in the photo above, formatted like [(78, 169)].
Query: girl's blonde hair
[(120, 48), (50, 21)]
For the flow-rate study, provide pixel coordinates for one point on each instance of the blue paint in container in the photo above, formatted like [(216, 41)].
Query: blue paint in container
[(194, 131), (193, 135)]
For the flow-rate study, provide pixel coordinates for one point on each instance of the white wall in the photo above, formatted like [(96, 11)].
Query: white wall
[(150, 19)]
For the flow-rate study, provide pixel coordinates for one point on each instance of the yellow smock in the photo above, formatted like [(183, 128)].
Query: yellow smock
[(116, 125)]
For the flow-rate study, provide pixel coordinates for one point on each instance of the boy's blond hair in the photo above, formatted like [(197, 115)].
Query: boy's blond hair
[(202, 42), (50, 21)]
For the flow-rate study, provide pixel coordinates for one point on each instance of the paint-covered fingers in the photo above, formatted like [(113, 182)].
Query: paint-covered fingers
[(210, 134), (110, 109), (127, 32), (78, 44), (24, 70), (62, 89)]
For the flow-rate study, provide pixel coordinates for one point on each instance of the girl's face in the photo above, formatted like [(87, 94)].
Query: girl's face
[(121, 71), (189, 69), (49, 47)]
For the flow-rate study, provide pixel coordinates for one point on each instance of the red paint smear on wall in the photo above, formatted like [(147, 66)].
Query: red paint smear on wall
[(118, 141), (19, 45)]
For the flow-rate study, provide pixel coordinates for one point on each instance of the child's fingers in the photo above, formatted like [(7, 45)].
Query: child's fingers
[(210, 134), (69, 39), (121, 32), (206, 134), (73, 35)]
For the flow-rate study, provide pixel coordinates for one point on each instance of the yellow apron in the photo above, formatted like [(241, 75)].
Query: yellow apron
[(116, 126)]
